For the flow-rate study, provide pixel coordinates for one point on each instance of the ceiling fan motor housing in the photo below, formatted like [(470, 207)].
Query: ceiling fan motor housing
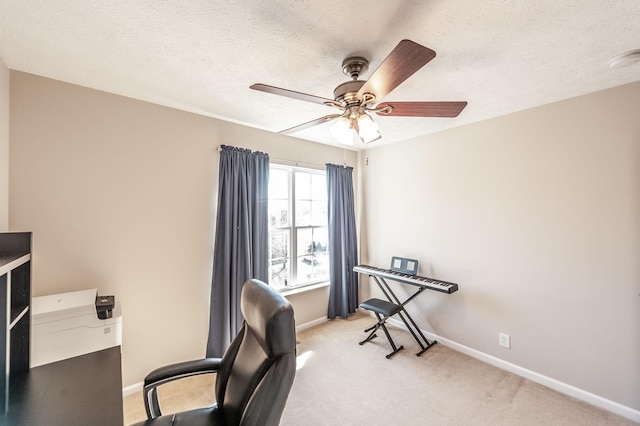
[(348, 92)]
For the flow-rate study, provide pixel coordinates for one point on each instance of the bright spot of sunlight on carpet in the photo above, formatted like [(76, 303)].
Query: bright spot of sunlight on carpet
[(302, 359)]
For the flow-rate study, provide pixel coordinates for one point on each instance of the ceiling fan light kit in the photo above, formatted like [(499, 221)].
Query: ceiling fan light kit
[(346, 130), (356, 99), (342, 131), (368, 129)]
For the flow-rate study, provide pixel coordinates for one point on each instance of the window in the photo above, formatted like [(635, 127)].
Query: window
[(297, 227)]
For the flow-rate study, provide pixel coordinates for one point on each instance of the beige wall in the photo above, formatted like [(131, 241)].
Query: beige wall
[(537, 216), (4, 147), (533, 214), (121, 195)]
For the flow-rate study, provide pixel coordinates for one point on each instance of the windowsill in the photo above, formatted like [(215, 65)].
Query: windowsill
[(302, 289)]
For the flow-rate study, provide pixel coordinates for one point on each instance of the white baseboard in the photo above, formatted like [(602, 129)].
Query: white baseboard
[(311, 324), (130, 390), (588, 397)]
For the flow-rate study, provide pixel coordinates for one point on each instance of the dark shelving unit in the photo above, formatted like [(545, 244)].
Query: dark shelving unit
[(15, 301)]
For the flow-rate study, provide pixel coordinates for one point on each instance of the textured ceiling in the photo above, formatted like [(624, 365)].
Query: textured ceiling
[(202, 55)]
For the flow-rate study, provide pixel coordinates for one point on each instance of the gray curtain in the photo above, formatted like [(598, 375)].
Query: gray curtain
[(241, 243), (343, 250)]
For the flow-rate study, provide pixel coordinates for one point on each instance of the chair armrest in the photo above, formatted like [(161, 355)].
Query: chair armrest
[(181, 370), (169, 373)]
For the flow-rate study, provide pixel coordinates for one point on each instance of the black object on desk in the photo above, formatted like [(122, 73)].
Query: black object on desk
[(104, 306), (84, 390)]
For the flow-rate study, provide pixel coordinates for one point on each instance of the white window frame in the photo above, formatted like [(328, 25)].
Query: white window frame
[(293, 281)]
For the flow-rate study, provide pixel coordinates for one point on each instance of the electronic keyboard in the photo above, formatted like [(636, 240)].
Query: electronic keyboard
[(429, 283)]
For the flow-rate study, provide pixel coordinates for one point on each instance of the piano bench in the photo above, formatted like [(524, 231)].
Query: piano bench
[(380, 306), (383, 311)]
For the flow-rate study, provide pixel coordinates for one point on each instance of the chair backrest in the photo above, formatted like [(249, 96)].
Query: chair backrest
[(257, 370)]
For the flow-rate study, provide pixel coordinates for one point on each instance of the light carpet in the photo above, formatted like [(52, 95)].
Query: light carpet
[(339, 382)]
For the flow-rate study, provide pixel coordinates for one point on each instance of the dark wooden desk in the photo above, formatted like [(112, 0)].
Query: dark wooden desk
[(85, 390)]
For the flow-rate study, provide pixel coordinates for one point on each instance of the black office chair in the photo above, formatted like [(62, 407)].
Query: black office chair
[(254, 376)]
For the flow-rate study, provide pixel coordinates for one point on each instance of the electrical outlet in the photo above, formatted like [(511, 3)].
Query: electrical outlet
[(504, 340)]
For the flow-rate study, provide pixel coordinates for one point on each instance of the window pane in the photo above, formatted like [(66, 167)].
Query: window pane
[(279, 273), (320, 240), (313, 262), (279, 257), (279, 239), (319, 213), (321, 267), (305, 268), (311, 240), (303, 186), (278, 213), (312, 267), (303, 213), (305, 241), (318, 187), (278, 183)]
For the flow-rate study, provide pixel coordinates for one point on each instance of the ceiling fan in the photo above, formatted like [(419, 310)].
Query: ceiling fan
[(356, 99)]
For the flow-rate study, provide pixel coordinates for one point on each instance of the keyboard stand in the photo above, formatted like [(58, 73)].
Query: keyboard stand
[(415, 331)]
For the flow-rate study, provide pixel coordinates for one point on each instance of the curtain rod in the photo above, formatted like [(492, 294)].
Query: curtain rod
[(297, 163)]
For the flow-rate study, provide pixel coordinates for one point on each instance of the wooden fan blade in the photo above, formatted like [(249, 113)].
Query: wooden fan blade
[(423, 109), (403, 61), (290, 94), (309, 124)]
